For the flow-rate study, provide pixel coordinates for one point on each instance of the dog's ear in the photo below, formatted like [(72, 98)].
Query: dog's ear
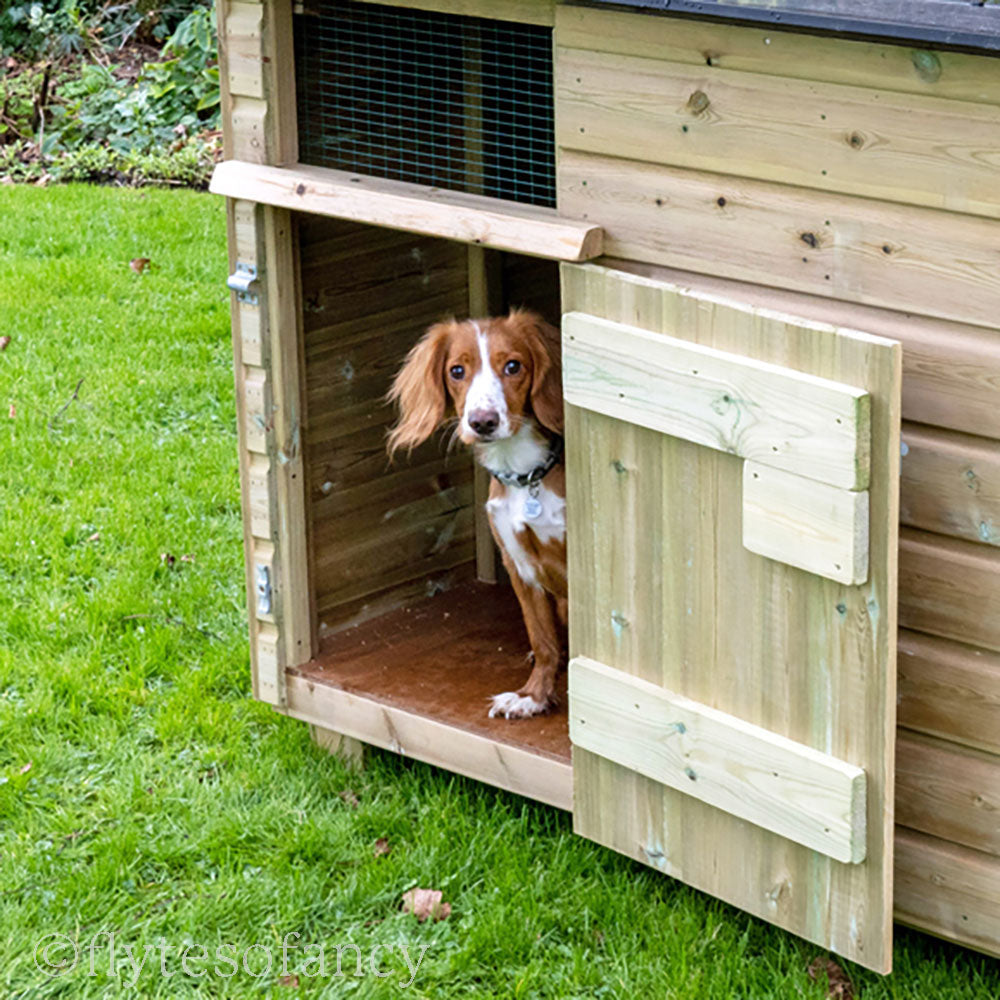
[(418, 390), (544, 342)]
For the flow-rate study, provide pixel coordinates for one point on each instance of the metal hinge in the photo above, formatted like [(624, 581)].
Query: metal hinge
[(240, 281), (262, 576)]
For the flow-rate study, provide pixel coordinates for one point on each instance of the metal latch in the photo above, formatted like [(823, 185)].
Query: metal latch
[(262, 575), (240, 281)]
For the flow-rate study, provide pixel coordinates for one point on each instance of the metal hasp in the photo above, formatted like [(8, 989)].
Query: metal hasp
[(240, 281), (262, 578)]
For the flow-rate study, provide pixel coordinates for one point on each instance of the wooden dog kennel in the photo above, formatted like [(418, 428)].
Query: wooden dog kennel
[(771, 233)]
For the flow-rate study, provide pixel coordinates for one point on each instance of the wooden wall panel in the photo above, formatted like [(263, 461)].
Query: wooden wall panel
[(792, 54), (855, 140), (949, 791), (948, 890), (901, 257), (950, 483), (949, 588), (379, 532), (949, 689)]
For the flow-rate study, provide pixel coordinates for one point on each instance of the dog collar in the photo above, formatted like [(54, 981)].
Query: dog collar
[(537, 474)]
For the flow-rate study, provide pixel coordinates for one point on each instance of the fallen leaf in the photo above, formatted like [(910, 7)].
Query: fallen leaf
[(839, 986), (4, 341), (382, 847), (139, 264), (350, 798), (95, 537), (292, 981), (426, 903), (12, 412), (26, 768), (187, 558)]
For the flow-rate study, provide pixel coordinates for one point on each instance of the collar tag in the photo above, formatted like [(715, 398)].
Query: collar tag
[(532, 505)]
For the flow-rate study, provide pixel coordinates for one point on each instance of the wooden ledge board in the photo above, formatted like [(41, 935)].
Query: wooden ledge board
[(778, 416), (800, 793), (413, 208), (417, 681)]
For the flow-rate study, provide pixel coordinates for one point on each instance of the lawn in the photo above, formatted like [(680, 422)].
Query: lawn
[(144, 795)]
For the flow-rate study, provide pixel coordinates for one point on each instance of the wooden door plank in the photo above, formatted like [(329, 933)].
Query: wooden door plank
[(783, 786), (791, 420), (803, 523), (663, 589)]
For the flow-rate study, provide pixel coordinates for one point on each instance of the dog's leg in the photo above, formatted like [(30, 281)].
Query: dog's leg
[(537, 694), (562, 611)]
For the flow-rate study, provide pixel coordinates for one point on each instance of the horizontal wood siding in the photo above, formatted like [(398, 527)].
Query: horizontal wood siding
[(949, 689), (950, 483), (844, 169), (949, 791), (381, 534), (947, 889), (949, 588), (901, 257), (822, 58), (857, 140)]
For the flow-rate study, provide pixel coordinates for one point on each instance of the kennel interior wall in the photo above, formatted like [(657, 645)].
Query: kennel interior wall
[(842, 180)]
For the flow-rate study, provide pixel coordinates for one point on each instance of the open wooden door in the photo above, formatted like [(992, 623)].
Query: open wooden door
[(732, 480)]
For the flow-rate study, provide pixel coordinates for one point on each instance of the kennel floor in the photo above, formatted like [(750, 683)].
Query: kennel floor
[(418, 679)]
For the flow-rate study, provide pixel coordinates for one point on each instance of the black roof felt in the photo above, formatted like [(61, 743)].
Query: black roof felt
[(965, 24)]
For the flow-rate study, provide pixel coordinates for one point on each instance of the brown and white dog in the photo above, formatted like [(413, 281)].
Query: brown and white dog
[(500, 381)]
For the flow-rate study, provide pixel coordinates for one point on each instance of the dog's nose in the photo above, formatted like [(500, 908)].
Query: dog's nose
[(484, 422)]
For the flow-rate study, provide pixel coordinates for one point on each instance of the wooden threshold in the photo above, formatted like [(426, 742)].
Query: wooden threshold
[(417, 681), (413, 208)]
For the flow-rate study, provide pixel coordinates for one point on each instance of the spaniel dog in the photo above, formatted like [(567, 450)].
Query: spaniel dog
[(500, 381)]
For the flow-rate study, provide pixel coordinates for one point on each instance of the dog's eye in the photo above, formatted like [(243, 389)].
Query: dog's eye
[(456, 372), (512, 367)]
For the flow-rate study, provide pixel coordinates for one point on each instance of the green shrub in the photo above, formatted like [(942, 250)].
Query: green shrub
[(34, 29)]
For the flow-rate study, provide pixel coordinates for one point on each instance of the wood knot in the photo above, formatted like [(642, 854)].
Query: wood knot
[(856, 140), (698, 102), (927, 65), (810, 239)]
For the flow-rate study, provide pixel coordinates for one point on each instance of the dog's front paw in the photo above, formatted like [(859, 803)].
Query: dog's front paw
[(512, 705)]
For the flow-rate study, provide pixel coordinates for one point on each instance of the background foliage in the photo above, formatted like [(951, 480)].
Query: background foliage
[(103, 91)]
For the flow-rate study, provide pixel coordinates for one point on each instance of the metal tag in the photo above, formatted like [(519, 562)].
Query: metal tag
[(532, 508)]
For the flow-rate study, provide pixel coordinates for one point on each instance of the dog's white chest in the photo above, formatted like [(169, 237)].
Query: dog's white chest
[(517, 510)]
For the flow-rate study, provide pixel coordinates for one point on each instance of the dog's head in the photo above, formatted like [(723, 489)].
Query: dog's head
[(493, 374)]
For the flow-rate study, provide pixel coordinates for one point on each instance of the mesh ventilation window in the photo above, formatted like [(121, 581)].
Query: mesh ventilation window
[(439, 99)]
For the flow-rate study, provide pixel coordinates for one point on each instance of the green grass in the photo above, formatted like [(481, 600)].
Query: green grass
[(143, 792)]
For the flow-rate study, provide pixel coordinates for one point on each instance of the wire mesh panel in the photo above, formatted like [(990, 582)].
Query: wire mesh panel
[(440, 99)]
